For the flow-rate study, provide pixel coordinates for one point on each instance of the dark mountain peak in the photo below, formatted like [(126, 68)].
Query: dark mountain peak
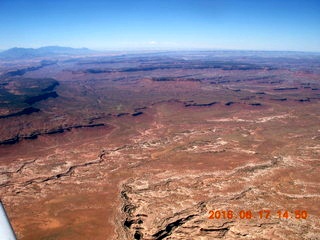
[(47, 51)]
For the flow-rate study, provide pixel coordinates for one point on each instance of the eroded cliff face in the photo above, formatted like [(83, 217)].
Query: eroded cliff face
[(178, 206), (213, 154)]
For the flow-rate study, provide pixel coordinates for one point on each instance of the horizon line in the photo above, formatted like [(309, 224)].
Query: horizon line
[(117, 49)]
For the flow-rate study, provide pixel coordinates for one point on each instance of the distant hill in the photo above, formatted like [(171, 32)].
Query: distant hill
[(25, 53)]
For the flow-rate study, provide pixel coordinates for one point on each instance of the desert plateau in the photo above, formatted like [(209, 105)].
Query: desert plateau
[(161, 145)]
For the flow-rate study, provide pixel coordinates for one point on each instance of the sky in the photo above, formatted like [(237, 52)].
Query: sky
[(288, 25)]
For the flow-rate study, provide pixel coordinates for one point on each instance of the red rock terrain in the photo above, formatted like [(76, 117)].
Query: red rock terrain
[(171, 146)]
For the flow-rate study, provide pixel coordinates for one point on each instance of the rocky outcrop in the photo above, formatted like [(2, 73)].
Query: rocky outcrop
[(38, 133), (41, 97), (25, 111)]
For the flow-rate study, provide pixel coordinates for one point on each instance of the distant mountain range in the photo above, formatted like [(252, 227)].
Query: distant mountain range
[(26, 53)]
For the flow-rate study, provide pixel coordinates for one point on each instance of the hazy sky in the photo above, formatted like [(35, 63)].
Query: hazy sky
[(162, 24)]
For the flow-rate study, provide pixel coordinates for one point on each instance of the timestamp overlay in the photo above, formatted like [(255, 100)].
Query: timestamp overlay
[(274, 222), (260, 214)]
